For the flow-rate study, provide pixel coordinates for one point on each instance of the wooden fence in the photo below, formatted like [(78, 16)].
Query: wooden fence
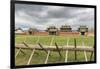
[(48, 49)]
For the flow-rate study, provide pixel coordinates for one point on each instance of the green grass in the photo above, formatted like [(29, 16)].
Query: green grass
[(60, 40), (54, 56)]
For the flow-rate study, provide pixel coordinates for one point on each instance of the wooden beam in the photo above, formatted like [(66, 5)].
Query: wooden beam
[(29, 47), (26, 44), (49, 51), (66, 57), (22, 51), (53, 48), (19, 50), (58, 49), (85, 53), (91, 55), (43, 48), (17, 53), (31, 57), (32, 53), (75, 50), (47, 57)]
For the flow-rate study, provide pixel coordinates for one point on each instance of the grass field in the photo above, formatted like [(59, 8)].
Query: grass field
[(54, 57)]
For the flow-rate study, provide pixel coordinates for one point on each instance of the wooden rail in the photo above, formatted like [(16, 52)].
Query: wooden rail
[(53, 48)]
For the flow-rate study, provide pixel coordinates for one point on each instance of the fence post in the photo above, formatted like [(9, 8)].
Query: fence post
[(58, 49), (75, 50), (91, 55)]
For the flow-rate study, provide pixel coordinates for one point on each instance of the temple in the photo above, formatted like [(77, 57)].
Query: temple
[(83, 30), (52, 30), (65, 28)]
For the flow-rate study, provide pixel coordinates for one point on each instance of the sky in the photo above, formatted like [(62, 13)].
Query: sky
[(43, 16)]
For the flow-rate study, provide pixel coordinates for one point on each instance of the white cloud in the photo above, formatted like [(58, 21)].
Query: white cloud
[(43, 16)]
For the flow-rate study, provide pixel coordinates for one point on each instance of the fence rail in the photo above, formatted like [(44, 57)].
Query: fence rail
[(53, 48)]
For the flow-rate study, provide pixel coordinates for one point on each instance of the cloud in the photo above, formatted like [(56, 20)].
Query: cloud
[(41, 16)]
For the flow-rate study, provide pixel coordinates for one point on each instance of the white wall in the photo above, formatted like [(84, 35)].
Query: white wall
[(5, 34)]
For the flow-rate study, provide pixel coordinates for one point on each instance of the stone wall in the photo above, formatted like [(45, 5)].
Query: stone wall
[(60, 33)]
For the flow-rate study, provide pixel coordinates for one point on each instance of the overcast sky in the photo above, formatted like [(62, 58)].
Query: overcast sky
[(42, 16)]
